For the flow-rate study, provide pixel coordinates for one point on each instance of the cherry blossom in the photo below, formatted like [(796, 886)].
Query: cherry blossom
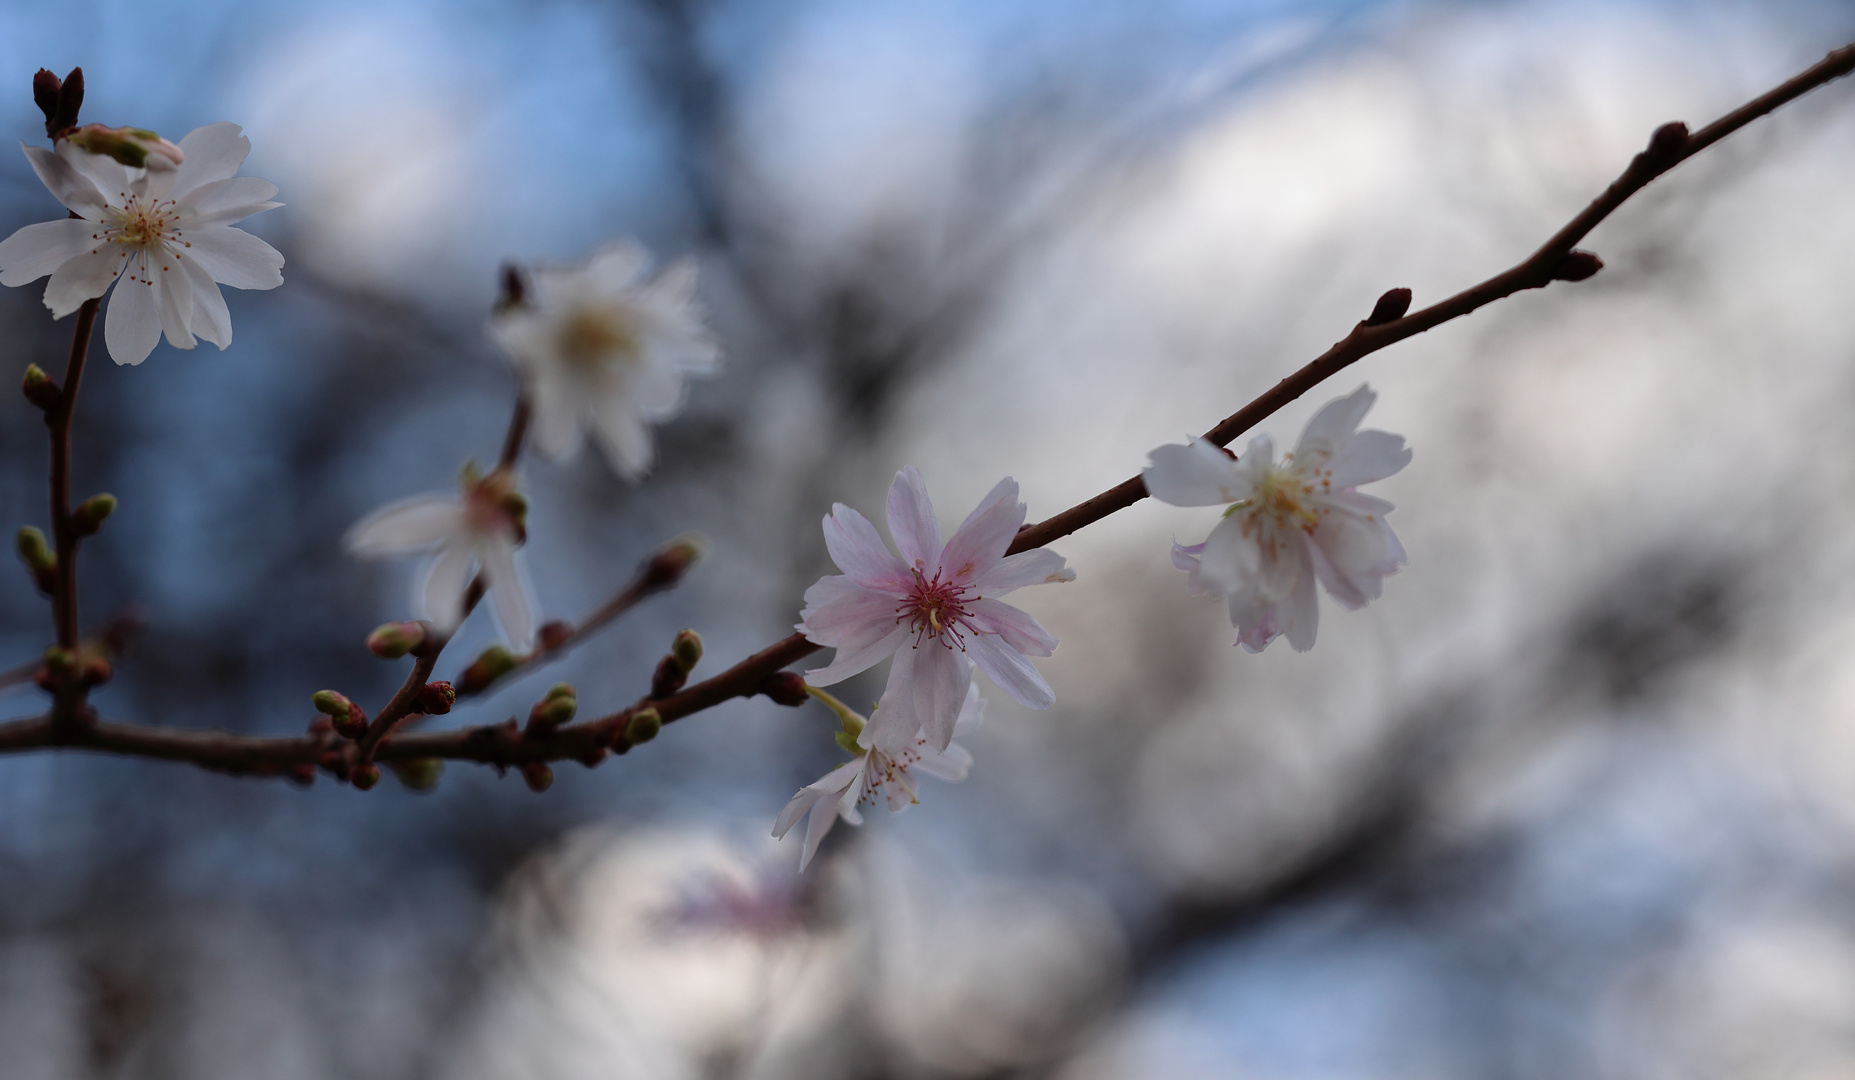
[(873, 773), (164, 231), (607, 348), (1288, 523), (476, 533), (936, 609)]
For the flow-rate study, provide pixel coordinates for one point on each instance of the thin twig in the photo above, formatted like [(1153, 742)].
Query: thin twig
[(504, 744), (64, 531), (512, 442)]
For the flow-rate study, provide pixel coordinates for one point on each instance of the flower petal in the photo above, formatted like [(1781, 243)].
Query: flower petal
[(950, 765), (912, 523), (1229, 558), (840, 613), (622, 435), (1196, 474), (1012, 673), (132, 325), (223, 202), (37, 250), (1018, 628), (67, 185), (440, 593), (850, 662), (972, 712), (211, 320), (212, 153), (110, 178), (1335, 422), (406, 527), (1368, 456), (858, 551), (1038, 566), (980, 541), (1300, 608), (84, 277), (508, 593), (235, 257), (173, 296), (941, 677)]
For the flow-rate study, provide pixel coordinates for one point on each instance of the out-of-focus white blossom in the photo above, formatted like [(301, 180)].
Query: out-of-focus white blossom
[(164, 230), (936, 609), (609, 349), (874, 773), (1289, 523), (477, 532)]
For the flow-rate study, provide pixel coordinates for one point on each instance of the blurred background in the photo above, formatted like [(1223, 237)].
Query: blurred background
[(1573, 800)]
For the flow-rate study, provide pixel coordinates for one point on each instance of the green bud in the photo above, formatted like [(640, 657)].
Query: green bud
[(673, 560), (58, 660), (491, 664), (137, 148), (559, 690), (687, 648), (39, 387), (643, 726), (537, 776), (390, 641), (332, 704), (92, 512), (418, 774), (364, 777), (34, 552)]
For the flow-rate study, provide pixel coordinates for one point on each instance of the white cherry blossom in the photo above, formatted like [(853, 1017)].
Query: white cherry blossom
[(1289, 523), (874, 774), (476, 532), (936, 609), (607, 348), (163, 232)]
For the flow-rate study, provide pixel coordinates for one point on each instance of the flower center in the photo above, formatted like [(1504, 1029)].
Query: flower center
[(594, 336), (937, 609), (141, 224), (1284, 495)]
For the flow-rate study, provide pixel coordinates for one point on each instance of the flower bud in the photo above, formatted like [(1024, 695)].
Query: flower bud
[(436, 698), (491, 664), (34, 552), (537, 776), (551, 712), (95, 670), (553, 634), (331, 703), (418, 774), (364, 777), (59, 660), (643, 726), (70, 100), (559, 690), (92, 512), (668, 678), (137, 148), (673, 560), (784, 687), (1390, 307), (1577, 266), (687, 649), (390, 641), (1666, 143), (39, 388), (45, 87)]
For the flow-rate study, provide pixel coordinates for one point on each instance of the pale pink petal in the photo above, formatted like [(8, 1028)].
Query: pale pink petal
[(211, 321), (224, 202), (616, 266), (840, 613), (37, 250), (950, 765), (440, 592), (132, 323), (850, 662), (555, 425), (1196, 474), (212, 153), (1014, 674), (1019, 630), (1335, 422), (235, 257), (84, 277), (980, 542), (508, 593), (173, 296), (1255, 620), (110, 177), (405, 527), (1368, 456), (1300, 609), (1038, 566), (659, 391), (1229, 558), (621, 434), (66, 184), (912, 522), (858, 550), (941, 679)]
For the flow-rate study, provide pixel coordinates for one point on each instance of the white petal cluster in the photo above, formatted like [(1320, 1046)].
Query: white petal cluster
[(1289, 523), (936, 609), (875, 775), (608, 349), (165, 234), (476, 533)]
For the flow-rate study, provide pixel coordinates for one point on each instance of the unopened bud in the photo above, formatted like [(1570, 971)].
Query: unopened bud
[(45, 88), (551, 712), (537, 776), (92, 512), (491, 664), (390, 641), (437, 698), (418, 774), (1577, 266), (137, 148), (668, 678), (784, 687), (364, 777), (96, 671), (553, 634), (1390, 307), (70, 100), (331, 703), (34, 552), (643, 726), (39, 388), (59, 660), (687, 649), (673, 560), (1667, 142), (559, 690)]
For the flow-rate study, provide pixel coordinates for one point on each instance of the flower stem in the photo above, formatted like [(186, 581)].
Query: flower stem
[(64, 531)]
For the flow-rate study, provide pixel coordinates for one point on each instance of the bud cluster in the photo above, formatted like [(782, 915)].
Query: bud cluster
[(557, 708), (673, 670), (348, 719), (58, 99), (390, 641)]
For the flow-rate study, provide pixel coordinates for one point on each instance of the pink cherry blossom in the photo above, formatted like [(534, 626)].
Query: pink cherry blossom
[(936, 609)]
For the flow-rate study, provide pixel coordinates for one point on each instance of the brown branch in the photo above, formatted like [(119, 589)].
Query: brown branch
[(64, 531), (504, 744), (518, 432)]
